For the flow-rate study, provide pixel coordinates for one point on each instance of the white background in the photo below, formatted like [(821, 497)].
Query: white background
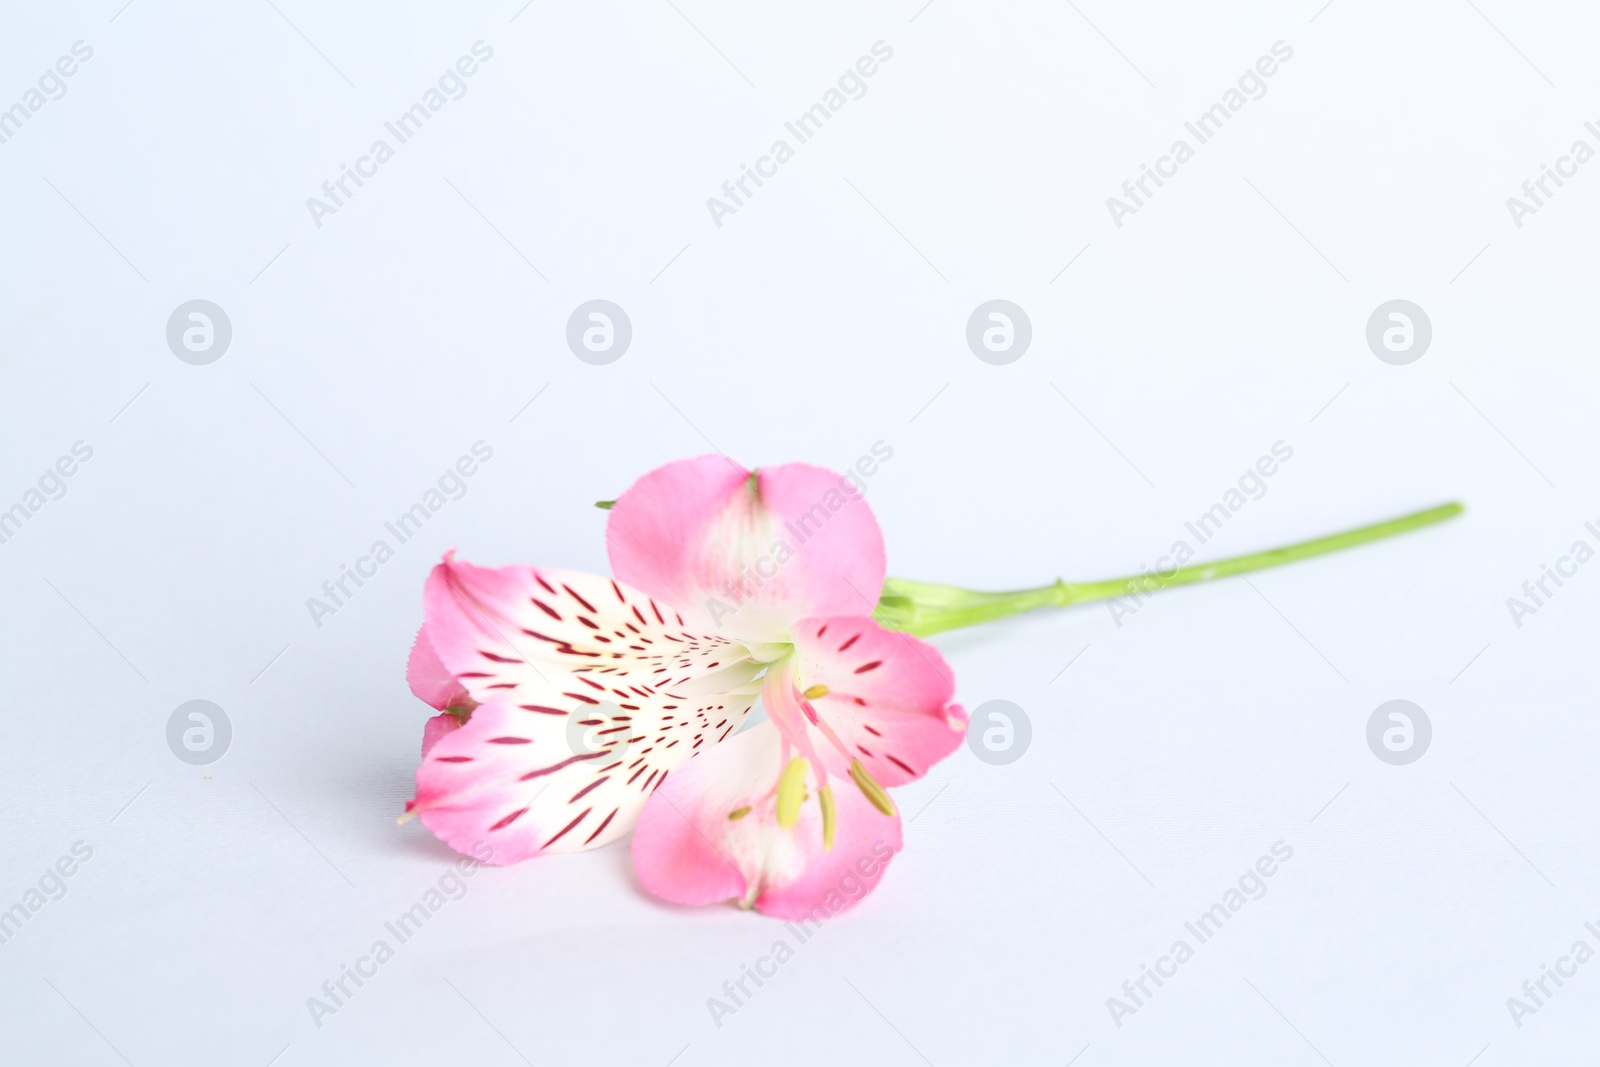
[(828, 314)]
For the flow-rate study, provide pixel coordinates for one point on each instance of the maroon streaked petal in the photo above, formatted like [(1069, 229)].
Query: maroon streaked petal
[(509, 819), (516, 631), (563, 831), (604, 823)]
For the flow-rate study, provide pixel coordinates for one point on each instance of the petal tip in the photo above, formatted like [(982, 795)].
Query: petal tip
[(956, 717)]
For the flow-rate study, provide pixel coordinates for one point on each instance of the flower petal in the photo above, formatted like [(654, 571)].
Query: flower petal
[(495, 781), (496, 629), (689, 851), (888, 697), (748, 554), (430, 679), (586, 721), (437, 727)]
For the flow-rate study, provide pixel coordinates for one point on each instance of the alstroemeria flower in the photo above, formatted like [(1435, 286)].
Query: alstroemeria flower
[(726, 583), (747, 822), (789, 561)]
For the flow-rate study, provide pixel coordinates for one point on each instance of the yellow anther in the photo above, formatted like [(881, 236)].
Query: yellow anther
[(870, 789), (815, 692), (829, 819), (738, 813), (791, 789)]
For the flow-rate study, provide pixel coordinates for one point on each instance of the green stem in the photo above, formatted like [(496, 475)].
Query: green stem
[(924, 608)]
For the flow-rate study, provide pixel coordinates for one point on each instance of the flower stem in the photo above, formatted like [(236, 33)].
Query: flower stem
[(923, 608)]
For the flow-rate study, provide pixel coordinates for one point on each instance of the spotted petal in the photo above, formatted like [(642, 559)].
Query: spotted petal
[(887, 698), (748, 554), (711, 834), (590, 694)]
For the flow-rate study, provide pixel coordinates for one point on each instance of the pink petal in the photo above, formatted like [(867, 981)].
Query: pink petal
[(585, 680), (748, 555), (888, 701), (687, 850), (496, 629), (430, 680), (438, 727), (491, 783)]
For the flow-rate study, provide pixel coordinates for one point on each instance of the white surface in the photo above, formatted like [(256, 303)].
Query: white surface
[(1214, 723)]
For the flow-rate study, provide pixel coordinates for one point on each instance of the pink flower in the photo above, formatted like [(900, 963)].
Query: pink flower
[(580, 694)]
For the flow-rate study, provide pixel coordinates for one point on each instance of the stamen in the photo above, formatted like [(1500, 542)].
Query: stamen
[(870, 788), (815, 692), (829, 818), (738, 813), (791, 787)]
